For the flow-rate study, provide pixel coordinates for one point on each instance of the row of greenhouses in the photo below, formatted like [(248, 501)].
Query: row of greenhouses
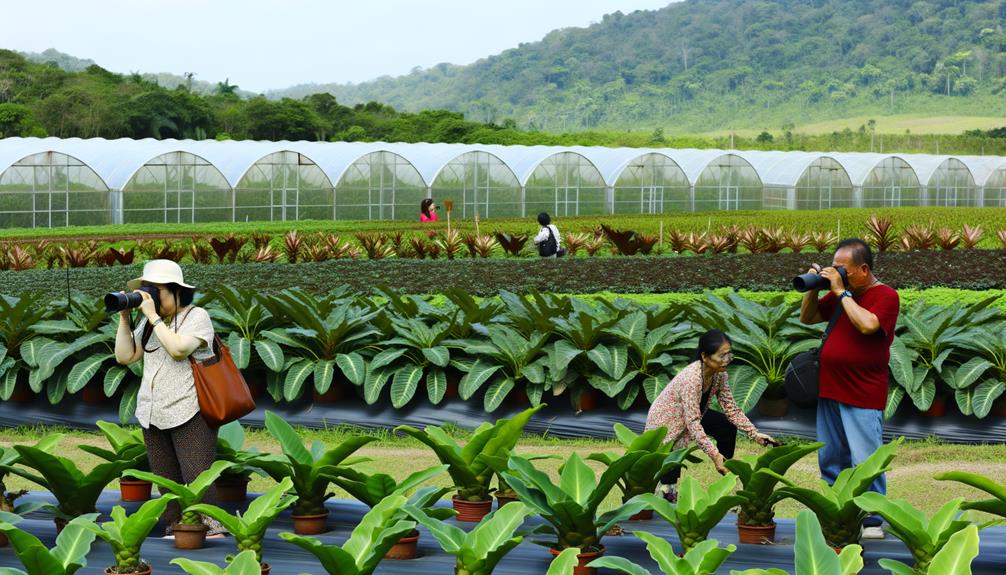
[(52, 182)]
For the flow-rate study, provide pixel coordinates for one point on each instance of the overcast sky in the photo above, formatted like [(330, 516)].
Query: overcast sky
[(261, 45)]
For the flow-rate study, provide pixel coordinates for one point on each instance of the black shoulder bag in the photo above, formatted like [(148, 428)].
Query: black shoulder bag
[(550, 246), (803, 372)]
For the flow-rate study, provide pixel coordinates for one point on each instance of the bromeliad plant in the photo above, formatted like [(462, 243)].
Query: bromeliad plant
[(703, 559), (9, 457), (373, 536), (928, 336), (469, 466), (758, 486), (311, 470), (923, 537), (835, 505), (76, 492), (66, 558), (329, 331), (659, 459), (814, 555), (570, 507), (697, 511), (126, 534), (244, 564), (507, 359), (416, 352), (187, 495), (478, 551), (249, 528)]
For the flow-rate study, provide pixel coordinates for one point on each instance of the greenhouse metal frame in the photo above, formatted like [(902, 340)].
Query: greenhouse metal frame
[(52, 182)]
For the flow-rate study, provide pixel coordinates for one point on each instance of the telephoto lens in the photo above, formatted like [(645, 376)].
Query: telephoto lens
[(814, 282), (116, 301)]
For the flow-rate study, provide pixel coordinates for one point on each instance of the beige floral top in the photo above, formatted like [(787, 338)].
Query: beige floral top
[(167, 395), (677, 409)]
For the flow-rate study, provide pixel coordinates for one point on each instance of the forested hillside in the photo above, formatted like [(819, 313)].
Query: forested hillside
[(706, 64)]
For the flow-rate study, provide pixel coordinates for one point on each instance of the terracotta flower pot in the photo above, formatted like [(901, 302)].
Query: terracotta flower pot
[(406, 548), (756, 534), (232, 488), (335, 393), (999, 406), (937, 409), (518, 396), (134, 489), (22, 392), (256, 388), (4, 541), (586, 400), (644, 515), (93, 394), (144, 570), (310, 524), (189, 536), (582, 560), (266, 568), (453, 380), (471, 511), (60, 524), (773, 406), (503, 500)]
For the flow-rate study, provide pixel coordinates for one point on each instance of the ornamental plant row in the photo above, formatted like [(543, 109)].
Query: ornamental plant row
[(388, 346)]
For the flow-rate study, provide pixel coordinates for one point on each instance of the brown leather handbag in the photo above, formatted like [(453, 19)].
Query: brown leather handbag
[(223, 393)]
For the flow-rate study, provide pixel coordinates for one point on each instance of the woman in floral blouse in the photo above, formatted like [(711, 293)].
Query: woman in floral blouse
[(683, 408)]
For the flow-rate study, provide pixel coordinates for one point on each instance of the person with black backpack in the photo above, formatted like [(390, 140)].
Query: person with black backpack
[(548, 241)]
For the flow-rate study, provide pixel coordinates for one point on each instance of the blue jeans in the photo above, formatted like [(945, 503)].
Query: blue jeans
[(850, 435)]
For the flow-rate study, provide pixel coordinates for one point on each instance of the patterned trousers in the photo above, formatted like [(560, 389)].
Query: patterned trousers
[(181, 454)]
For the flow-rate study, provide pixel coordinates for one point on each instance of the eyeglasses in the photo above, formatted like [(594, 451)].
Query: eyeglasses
[(726, 358)]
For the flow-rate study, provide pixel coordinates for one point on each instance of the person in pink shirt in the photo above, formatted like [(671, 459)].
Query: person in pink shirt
[(427, 210)]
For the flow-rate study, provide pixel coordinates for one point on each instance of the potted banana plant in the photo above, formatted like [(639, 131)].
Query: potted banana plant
[(311, 471), (373, 536), (756, 519), (814, 555), (659, 459), (478, 551), (953, 559), (250, 527), (125, 444), (703, 559), (468, 466), (243, 564), (569, 508), (76, 492), (923, 537), (232, 485), (126, 534), (697, 511), (835, 505), (189, 531), (68, 556), (371, 489)]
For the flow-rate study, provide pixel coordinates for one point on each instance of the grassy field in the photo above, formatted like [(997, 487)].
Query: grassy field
[(911, 479), (896, 124)]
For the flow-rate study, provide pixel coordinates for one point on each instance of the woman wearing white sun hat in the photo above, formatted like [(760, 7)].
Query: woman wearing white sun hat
[(180, 444)]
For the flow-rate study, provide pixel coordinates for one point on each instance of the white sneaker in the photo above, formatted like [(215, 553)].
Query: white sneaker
[(872, 533)]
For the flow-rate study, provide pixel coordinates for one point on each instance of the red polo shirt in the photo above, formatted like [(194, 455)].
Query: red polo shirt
[(854, 367)]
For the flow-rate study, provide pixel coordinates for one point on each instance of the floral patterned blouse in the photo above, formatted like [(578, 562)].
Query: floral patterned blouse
[(678, 409)]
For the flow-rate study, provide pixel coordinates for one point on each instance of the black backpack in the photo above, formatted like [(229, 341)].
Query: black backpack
[(550, 246)]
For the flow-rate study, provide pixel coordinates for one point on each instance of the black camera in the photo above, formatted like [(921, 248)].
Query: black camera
[(813, 282), (117, 301)]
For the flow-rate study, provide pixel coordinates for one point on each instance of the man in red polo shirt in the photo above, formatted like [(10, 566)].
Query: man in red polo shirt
[(853, 364)]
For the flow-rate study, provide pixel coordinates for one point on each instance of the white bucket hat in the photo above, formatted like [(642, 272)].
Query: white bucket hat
[(160, 272)]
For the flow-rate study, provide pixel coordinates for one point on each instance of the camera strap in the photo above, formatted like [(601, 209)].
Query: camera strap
[(831, 323)]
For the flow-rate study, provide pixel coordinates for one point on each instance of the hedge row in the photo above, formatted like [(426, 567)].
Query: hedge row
[(972, 269)]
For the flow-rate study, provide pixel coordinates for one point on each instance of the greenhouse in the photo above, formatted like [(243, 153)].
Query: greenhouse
[(52, 182)]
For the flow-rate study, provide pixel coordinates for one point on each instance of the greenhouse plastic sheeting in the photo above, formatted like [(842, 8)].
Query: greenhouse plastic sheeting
[(526, 559), (557, 419)]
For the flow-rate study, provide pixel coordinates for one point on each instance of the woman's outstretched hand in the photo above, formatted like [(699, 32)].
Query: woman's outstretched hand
[(766, 440), (718, 462)]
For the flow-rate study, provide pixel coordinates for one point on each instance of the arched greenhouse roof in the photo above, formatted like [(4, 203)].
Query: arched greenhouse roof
[(116, 161)]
